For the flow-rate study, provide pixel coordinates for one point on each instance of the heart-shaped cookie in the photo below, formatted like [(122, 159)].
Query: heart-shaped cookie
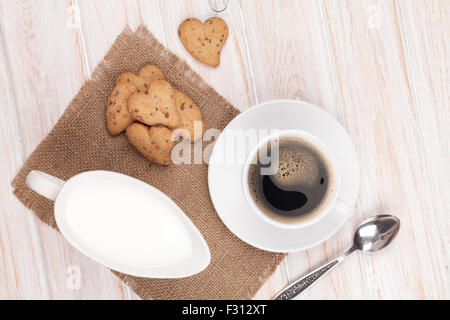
[(204, 41), (191, 126), (152, 113), (118, 117), (151, 73), (157, 107), (154, 143)]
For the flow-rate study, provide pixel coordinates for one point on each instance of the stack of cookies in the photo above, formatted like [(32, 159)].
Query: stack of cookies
[(152, 113)]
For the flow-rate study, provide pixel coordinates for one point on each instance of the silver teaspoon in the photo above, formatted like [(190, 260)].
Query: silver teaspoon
[(372, 235)]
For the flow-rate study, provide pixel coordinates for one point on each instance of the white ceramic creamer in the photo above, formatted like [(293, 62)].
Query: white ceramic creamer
[(124, 224)]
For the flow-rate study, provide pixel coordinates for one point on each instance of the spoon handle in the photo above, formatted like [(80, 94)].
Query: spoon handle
[(303, 283)]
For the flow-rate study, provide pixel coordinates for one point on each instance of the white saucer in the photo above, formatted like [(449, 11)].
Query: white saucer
[(225, 179)]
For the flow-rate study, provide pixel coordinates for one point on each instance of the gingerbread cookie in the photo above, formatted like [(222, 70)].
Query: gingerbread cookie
[(151, 73), (129, 77), (191, 117), (161, 140), (154, 143), (204, 41), (157, 107), (117, 116)]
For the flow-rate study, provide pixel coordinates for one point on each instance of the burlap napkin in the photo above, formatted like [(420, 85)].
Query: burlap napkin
[(79, 142)]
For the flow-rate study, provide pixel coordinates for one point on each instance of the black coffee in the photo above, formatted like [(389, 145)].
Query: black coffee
[(299, 185)]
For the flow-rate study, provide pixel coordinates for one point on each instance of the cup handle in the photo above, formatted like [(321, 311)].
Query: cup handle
[(44, 184), (344, 208)]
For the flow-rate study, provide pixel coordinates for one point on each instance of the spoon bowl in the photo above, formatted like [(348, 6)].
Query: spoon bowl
[(376, 233)]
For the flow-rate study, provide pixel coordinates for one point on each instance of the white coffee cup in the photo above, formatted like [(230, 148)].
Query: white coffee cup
[(333, 202)]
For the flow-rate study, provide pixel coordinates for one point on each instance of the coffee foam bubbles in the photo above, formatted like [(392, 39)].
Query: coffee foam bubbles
[(296, 167)]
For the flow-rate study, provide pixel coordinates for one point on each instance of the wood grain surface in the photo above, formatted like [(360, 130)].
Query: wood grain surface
[(381, 67)]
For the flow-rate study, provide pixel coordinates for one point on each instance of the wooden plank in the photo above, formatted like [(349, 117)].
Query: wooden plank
[(232, 79), (289, 58), (101, 22), (22, 265), (376, 100), (426, 41), (100, 17), (47, 69), (288, 52)]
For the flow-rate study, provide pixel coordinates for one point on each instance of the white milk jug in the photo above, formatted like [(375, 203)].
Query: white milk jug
[(124, 224)]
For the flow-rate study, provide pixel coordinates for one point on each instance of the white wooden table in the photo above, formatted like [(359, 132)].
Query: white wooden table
[(381, 67)]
